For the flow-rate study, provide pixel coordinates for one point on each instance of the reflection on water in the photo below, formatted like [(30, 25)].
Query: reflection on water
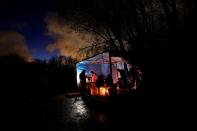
[(77, 111), (79, 107)]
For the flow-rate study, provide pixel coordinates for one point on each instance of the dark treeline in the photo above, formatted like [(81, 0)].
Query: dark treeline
[(37, 77), (24, 85)]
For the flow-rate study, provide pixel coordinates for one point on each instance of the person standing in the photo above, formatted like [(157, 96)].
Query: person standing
[(82, 77), (93, 76), (123, 78)]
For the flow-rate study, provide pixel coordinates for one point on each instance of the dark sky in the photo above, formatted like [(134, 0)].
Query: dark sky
[(28, 19)]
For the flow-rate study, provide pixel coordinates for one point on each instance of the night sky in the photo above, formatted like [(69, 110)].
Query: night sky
[(27, 19)]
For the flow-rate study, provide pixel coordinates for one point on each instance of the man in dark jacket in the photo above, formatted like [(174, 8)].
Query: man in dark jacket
[(82, 77)]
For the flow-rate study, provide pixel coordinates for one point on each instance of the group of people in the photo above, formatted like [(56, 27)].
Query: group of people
[(97, 80), (129, 79), (94, 79)]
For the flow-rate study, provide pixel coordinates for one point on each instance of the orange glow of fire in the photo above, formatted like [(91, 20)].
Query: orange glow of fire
[(103, 91)]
